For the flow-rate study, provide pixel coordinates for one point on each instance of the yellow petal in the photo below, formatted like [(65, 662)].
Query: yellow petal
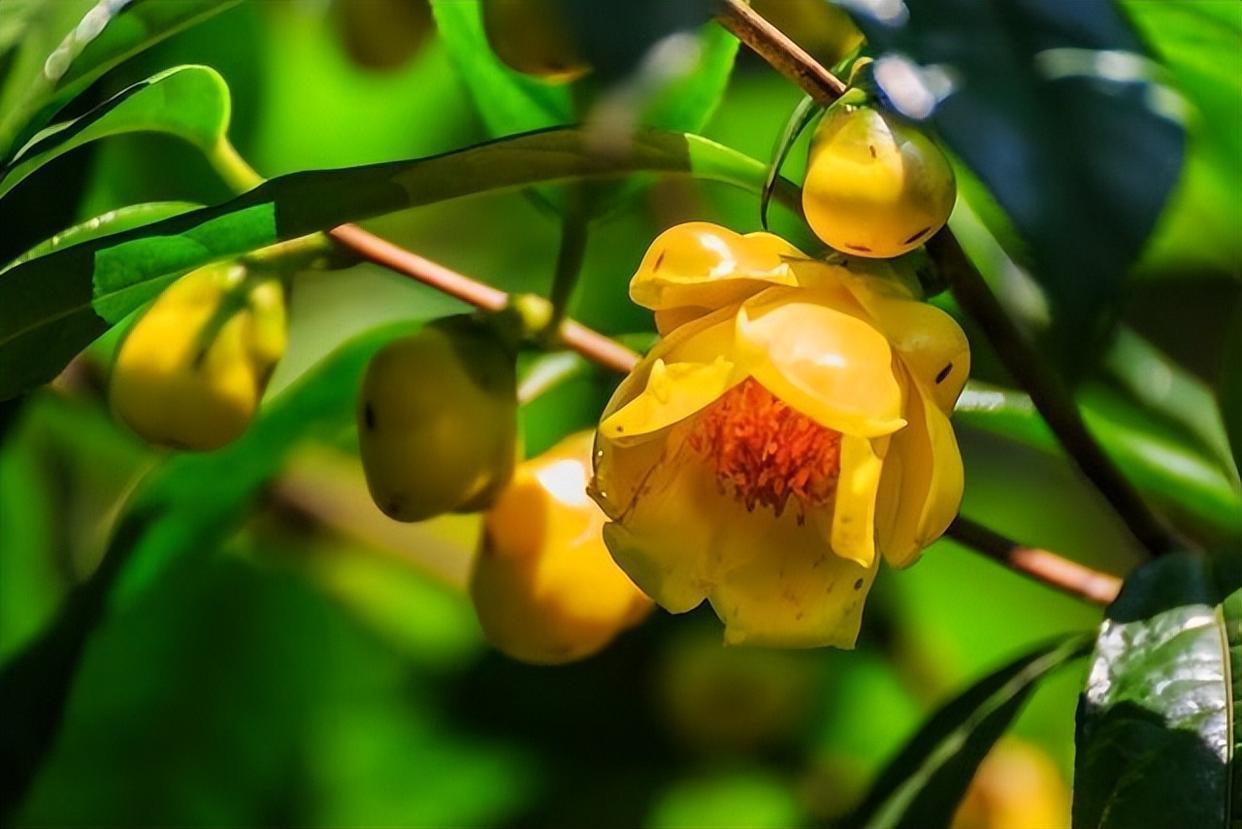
[(921, 486), (708, 266), (663, 535), (827, 364), (929, 341), (796, 593), (853, 519), (674, 391)]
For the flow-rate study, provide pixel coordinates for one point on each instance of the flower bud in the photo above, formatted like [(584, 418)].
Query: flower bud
[(874, 186), (437, 420), (544, 587), (533, 37), (192, 370)]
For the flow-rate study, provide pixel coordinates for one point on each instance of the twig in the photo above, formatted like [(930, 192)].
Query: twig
[(1065, 575), (1052, 398), (785, 56), (597, 348)]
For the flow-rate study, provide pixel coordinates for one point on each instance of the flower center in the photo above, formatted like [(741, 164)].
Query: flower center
[(763, 451)]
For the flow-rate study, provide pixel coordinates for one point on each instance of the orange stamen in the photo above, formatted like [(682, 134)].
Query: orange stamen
[(763, 451)]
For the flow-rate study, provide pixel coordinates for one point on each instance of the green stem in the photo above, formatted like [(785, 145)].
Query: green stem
[(231, 167)]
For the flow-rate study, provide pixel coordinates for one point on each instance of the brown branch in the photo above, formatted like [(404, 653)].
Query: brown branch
[(1053, 570), (1048, 392), (1040, 565), (785, 56)]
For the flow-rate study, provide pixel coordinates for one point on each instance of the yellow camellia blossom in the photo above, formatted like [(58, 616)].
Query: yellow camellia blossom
[(1017, 786), (792, 421), (192, 370), (544, 587)]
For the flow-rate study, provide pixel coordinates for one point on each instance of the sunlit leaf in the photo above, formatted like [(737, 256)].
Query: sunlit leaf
[(110, 32), (1156, 732), (53, 306), (922, 786), (190, 102), (114, 221)]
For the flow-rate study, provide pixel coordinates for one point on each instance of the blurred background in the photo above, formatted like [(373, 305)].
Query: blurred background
[(322, 666)]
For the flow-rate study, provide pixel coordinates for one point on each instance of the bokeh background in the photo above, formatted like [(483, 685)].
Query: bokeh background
[(323, 666)]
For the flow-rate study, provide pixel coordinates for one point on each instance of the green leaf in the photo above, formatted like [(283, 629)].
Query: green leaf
[(508, 101), (1199, 44), (1156, 732), (108, 34), (190, 102), (924, 783), (1168, 469), (799, 119), (114, 221), (53, 306)]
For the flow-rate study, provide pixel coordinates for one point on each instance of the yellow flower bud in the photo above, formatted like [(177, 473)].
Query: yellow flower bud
[(875, 187), (192, 370), (790, 426), (544, 587), (437, 420), (533, 37), (1017, 786)]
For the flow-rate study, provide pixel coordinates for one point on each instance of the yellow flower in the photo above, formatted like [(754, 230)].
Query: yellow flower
[(792, 422), (544, 588)]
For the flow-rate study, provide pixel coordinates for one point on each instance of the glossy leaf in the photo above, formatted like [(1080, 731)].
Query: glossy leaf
[(53, 306), (1054, 105), (1168, 469), (114, 221), (109, 33), (924, 783), (1156, 735), (190, 102)]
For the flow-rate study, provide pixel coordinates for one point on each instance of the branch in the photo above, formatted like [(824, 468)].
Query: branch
[(597, 348), (1050, 395), (1053, 570)]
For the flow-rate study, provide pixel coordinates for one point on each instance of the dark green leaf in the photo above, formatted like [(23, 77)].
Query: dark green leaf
[(190, 102), (1053, 104), (114, 221), (923, 785), (1156, 734), (107, 35), (53, 306)]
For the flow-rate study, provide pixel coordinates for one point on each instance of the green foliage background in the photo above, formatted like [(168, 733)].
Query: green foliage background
[(294, 673)]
